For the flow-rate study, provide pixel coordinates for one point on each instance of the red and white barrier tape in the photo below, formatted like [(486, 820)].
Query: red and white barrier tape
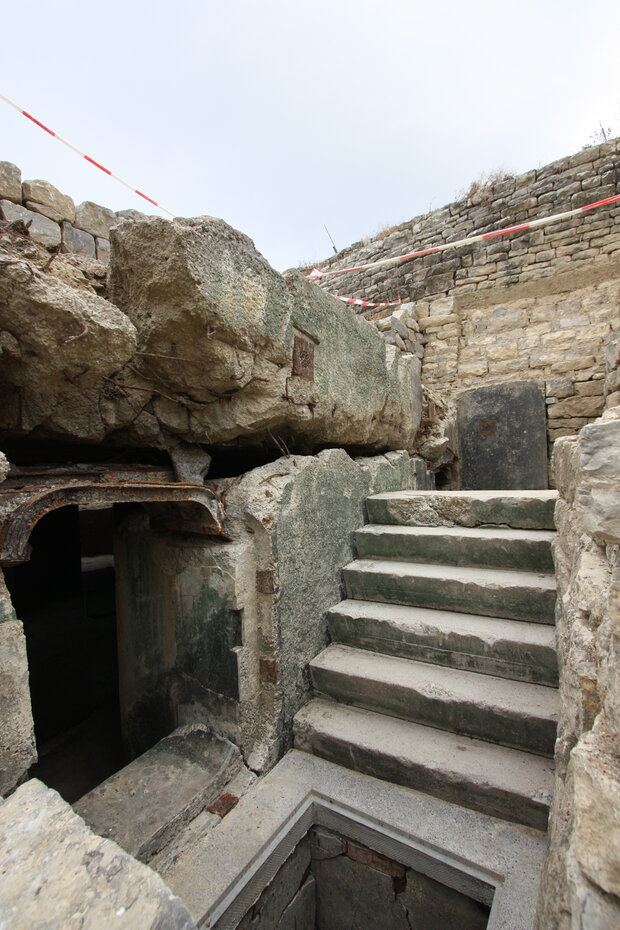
[(366, 303), (82, 155), (315, 274)]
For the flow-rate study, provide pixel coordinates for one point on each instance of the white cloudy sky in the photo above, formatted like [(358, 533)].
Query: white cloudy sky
[(282, 116)]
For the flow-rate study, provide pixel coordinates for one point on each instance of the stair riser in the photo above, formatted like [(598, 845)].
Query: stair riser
[(517, 555), (445, 510), (485, 798), (537, 665), (512, 603), (518, 731)]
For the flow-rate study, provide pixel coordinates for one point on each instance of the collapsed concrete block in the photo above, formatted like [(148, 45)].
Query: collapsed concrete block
[(202, 342), (254, 350), (64, 342)]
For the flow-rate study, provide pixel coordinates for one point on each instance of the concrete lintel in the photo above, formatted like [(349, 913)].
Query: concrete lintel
[(481, 856)]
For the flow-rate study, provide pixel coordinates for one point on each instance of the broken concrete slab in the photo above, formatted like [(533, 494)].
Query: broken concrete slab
[(66, 343), (257, 352), (149, 802), (55, 873)]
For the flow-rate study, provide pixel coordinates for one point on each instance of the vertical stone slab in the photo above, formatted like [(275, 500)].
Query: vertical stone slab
[(502, 437), (17, 748)]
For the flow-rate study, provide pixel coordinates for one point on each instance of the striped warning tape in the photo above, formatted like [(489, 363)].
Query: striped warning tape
[(316, 273), (366, 303), (82, 155)]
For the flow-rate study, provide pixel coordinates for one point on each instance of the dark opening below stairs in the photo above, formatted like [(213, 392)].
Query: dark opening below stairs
[(442, 672)]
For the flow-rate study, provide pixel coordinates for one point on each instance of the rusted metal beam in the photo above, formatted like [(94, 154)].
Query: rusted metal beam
[(197, 508)]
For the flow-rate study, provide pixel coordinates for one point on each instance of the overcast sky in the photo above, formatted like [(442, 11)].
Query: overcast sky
[(283, 115)]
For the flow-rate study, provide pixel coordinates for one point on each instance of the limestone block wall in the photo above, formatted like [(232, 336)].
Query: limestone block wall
[(581, 883), (542, 305), (558, 337), (54, 220), (583, 241)]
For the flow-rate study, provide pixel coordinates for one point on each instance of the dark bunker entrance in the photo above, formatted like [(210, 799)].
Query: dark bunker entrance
[(65, 597)]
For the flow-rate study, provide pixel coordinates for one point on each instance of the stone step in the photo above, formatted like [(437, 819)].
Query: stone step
[(517, 550), (490, 645), (511, 713), (147, 804), (502, 782), (508, 594), (531, 510)]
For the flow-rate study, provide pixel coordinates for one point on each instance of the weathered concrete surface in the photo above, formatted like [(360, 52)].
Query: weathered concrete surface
[(222, 630), (206, 343), (510, 713), (509, 594), (275, 815), (149, 802), (17, 746), (60, 342), (491, 645), (519, 550), (581, 887), (55, 873), (502, 437), (502, 782), (519, 509), (257, 351)]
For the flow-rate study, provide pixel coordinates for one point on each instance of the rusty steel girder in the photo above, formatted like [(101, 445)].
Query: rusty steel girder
[(188, 508)]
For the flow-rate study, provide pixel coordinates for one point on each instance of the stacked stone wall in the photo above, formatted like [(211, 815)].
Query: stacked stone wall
[(581, 883), (542, 305), (54, 220), (577, 242)]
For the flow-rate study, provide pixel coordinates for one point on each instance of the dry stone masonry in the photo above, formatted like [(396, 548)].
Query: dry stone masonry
[(543, 305), (53, 219)]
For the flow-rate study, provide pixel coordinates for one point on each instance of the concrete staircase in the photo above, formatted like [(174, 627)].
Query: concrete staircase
[(442, 671)]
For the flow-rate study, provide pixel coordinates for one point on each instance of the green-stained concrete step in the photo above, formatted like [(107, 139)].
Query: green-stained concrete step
[(508, 594), (532, 510), (511, 713), (490, 645), (492, 547), (149, 803), (502, 782)]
